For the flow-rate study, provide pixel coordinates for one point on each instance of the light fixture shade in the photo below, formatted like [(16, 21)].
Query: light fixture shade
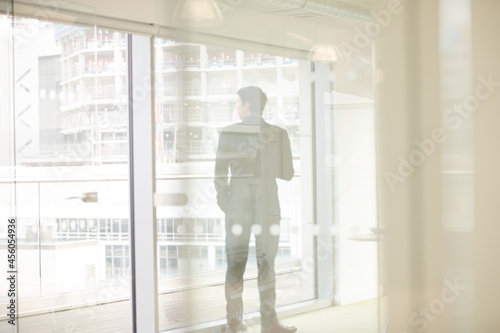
[(197, 13), (327, 53)]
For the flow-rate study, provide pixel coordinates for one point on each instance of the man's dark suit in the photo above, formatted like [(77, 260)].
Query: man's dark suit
[(250, 156)]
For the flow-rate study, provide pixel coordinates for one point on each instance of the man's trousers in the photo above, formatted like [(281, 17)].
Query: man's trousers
[(251, 209)]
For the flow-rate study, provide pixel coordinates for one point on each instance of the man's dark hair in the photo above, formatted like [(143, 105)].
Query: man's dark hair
[(255, 97)]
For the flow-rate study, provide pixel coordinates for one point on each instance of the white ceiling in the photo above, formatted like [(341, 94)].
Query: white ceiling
[(292, 26)]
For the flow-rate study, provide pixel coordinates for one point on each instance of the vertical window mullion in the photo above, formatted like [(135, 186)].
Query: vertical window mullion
[(142, 185)]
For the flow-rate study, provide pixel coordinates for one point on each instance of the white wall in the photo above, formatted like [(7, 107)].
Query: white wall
[(486, 52), (355, 196), (442, 215)]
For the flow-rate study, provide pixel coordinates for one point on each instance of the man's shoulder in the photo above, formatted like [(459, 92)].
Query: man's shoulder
[(245, 128), (276, 128), (240, 128)]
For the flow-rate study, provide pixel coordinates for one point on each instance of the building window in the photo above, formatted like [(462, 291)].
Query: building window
[(117, 262)]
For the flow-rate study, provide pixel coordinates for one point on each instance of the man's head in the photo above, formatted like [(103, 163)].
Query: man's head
[(252, 100)]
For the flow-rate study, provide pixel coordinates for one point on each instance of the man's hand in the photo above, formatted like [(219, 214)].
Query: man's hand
[(222, 198)]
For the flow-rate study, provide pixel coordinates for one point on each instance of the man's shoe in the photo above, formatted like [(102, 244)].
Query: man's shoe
[(277, 327), (243, 328)]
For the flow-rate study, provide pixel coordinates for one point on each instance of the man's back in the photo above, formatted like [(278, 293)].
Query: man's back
[(250, 156), (254, 151)]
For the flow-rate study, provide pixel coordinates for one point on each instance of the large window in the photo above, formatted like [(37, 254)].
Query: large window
[(322, 227), (65, 181), (68, 175), (195, 98)]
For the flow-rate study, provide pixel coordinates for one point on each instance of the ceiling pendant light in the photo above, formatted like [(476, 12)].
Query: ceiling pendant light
[(327, 53), (197, 13)]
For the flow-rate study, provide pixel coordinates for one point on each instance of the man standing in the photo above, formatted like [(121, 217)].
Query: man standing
[(250, 156)]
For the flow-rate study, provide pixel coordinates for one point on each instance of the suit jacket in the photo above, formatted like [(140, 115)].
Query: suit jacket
[(251, 154)]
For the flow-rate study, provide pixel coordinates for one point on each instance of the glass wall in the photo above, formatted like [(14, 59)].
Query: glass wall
[(65, 180), (66, 176), (421, 75), (195, 99), (327, 245)]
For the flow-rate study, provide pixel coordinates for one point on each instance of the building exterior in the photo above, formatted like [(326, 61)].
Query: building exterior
[(94, 94), (81, 121)]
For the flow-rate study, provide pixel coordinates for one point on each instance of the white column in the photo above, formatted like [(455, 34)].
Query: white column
[(323, 181), (409, 176), (306, 242), (142, 185), (486, 78)]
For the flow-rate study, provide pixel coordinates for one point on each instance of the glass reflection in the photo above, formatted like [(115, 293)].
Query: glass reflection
[(196, 97), (251, 155)]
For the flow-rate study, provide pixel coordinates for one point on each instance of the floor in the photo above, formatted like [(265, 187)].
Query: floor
[(196, 306), (361, 317)]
